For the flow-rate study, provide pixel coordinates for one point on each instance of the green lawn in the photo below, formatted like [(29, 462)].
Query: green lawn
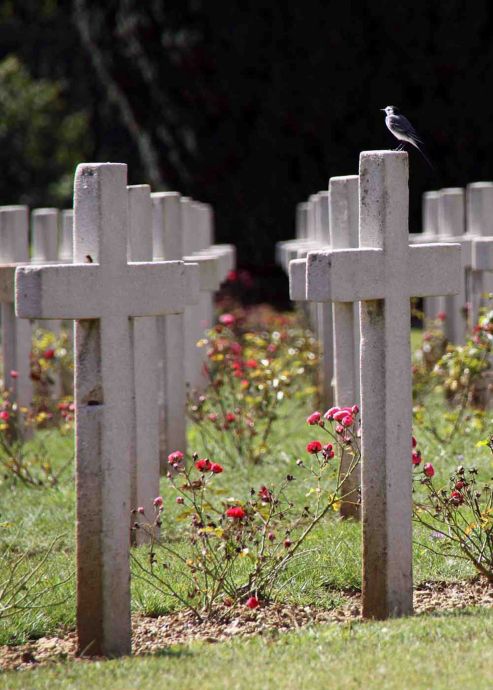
[(443, 651), (450, 651)]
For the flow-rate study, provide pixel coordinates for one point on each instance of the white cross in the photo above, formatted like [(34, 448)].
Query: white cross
[(103, 293), (293, 253), (16, 334), (479, 198), (343, 212), (482, 258), (383, 274)]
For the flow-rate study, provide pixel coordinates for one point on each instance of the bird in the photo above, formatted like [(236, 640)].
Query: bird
[(403, 130)]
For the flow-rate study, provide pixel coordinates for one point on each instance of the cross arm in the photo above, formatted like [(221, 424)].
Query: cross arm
[(227, 254), (87, 291), (7, 280), (434, 269), (482, 254), (345, 275), (209, 270), (297, 280), (62, 291)]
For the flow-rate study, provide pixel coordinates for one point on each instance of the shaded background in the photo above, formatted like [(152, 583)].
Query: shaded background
[(250, 106)]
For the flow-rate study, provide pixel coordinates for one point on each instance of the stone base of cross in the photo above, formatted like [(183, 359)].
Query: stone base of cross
[(383, 274)]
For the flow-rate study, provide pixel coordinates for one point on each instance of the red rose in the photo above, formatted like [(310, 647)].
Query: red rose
[(252, 603), (429, 470), (339, 416), (203, 465), (49, 353), (227, 319), (265, 494), (236, 512), (328, 451), (216, 468), (175, 457), (314, 447), (330, 413), (416, 457), (314, 418), (456, 498)]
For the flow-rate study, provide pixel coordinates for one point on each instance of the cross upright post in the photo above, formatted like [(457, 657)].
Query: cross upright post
[(383, 274), (320, 316), (343, 203), (429, 214), (103, 293), (44, 237), (144, 460), (169, 244), (16, 333), (66, 245), (451, 228), (479, 204), (324, 312)]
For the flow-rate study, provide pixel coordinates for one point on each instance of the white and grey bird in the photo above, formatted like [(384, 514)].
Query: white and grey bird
[(403, 130)]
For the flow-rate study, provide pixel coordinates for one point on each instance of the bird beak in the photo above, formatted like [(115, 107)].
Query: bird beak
[(382, 109)]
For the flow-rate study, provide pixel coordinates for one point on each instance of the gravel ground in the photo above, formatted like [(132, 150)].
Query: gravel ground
[(151, 634)]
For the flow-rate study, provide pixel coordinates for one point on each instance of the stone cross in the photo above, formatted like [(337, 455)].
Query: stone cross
[(430, 200), (482, 260), (344, 335), (383, 274), (317, 235), (66, 245), (44, 249), (343, 199), (479, 205), (168, 244), (144, 449), (103, 293), (16, 333), (451, 228), (324, 314)]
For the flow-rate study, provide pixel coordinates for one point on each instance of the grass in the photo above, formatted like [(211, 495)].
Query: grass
[(451, 650), (446, 652)]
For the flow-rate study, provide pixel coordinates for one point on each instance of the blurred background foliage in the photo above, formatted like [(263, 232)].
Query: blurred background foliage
[(249, 105)]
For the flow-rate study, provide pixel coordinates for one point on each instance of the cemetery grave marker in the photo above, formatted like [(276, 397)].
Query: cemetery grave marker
[(103, 294), (383, 274), (16, 334)]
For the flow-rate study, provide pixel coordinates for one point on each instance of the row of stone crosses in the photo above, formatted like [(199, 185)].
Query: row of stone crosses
[(137, 273), (354, 267)]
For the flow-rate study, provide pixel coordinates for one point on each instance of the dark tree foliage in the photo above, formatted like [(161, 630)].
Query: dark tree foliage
[(253, 105)]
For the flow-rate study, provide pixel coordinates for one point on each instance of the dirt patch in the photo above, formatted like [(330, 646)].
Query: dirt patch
[(152, 634)]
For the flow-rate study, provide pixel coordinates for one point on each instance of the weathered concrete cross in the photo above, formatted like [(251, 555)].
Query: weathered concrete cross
[(383, 274), (103, 293), (16, 334), (479, 199), (344, 334)]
